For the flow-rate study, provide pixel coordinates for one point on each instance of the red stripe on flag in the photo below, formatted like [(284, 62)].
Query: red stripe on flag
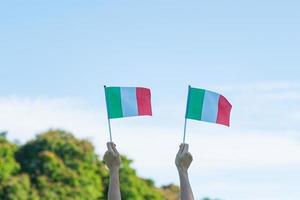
[(224, 111), (143, 96)]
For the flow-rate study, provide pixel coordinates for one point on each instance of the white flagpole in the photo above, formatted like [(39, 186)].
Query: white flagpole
[(185, 120), (184, 131), (109, 128)]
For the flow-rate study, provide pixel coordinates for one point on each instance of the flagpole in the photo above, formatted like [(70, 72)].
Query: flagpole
[(185, 120), (109, 128), (184, 131)]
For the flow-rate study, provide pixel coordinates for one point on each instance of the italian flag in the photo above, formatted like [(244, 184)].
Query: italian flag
[(208, 106), (127, 101)]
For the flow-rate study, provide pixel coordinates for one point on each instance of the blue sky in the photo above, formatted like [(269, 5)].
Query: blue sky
[(56, 56)]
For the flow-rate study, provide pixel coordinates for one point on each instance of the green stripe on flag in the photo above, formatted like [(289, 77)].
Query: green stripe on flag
[(195, 103), (113, 102)]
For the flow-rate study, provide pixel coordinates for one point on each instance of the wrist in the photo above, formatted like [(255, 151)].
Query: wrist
[(182, 171), (114, 169), (183, 175)]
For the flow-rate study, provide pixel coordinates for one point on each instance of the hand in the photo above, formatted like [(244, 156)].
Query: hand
[(183, 158), (112, 157)]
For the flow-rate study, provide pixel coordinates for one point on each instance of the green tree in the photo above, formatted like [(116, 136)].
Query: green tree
[(62, 167)]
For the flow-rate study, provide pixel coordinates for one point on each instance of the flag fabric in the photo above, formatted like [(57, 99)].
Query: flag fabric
[(208, 106), (127, 101)]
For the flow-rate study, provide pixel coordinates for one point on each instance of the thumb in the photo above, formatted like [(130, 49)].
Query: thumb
[(185, 148), (115, 149), (109, 146)]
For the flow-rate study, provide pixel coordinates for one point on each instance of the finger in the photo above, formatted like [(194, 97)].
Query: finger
[(189, 155), (185, 148), (108, 155), (181, 147), (115, 149), (105, 156), (109, 146)]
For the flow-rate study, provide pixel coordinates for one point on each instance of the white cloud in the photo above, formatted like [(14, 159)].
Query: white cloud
[(24, 117), (233, 148)]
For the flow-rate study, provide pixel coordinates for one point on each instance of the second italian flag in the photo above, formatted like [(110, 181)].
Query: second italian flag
[(208, 106)]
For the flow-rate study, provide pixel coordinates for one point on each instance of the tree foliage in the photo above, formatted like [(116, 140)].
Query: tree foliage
[(62, 167)]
